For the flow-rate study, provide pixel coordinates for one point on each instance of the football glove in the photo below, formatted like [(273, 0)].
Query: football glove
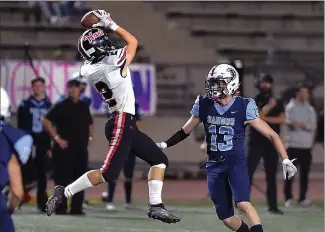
[(105, 20), (162, 145), (289, 169)]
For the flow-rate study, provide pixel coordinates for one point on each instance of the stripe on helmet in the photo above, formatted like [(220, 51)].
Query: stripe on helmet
[(85, 53)]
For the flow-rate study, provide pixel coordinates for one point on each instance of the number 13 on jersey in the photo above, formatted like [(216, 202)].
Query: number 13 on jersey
[(228, 134)]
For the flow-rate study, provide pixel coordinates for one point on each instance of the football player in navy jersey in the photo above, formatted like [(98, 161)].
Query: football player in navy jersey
[(16, 146), (225, 117)]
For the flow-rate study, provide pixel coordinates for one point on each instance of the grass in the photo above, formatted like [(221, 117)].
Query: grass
[(196, 217)]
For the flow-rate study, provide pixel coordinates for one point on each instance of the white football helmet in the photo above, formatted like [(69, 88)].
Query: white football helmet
[(4, 104), (221, 81)]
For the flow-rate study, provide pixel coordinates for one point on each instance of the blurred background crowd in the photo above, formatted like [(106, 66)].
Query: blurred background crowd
[(277, 48)]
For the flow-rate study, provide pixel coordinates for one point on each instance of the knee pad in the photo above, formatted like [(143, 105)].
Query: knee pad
[(162, 160), (159, 166)]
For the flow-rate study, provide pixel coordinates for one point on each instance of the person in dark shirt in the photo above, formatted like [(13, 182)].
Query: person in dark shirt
[(271, 111), (29, 115), (83, 86), (74, 130)]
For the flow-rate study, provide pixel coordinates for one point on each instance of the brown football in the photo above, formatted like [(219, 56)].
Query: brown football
[(89, 19)]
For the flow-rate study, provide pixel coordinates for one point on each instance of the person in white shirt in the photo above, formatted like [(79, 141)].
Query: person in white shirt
[(301, 123)]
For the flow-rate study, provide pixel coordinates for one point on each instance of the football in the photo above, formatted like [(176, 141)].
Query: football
[(89, 19)]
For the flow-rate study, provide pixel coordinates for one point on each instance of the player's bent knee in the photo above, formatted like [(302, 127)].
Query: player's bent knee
[(244, 206), (227, 221), (163, 160), (159, 166)]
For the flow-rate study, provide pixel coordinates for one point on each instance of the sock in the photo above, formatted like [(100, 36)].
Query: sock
[(256, 228), (77, 186), (111, 190), (128, 191), (155, 188), (243, 227)]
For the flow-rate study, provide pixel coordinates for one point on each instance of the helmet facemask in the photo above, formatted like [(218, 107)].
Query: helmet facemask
[(222, 81), (217, 88)]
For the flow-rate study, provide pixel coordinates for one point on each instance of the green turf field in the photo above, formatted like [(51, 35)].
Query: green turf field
[(194, 219)]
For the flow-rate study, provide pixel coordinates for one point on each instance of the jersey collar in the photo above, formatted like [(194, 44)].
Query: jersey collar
[(223, 109)]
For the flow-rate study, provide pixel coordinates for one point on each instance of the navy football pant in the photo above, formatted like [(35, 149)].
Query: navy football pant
[(128, 170), (124, 137), (228, 180), (6, 224)]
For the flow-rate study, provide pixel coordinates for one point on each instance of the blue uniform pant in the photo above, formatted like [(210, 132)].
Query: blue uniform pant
[(228, 181), (6, 224)]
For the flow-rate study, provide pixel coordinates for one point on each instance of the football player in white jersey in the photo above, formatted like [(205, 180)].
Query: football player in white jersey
[(107, 69)]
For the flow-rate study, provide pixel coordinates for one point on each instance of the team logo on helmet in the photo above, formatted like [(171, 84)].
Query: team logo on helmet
[(92, 36)]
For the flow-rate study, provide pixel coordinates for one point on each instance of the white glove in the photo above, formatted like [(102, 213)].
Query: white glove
[(289, 169), (105, 20), (162, 145)]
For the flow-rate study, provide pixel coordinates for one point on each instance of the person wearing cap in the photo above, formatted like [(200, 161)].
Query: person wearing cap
[(16, 146), (271, 110), (29, 116), (83, 85), (74, 130)]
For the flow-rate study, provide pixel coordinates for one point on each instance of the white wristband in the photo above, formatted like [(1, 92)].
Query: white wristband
[(91, 138), (56, 137), (163, 145), (114, 27)]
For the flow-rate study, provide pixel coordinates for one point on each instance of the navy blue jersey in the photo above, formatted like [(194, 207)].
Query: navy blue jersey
[(12, 141), (225, 125), (30, 114)]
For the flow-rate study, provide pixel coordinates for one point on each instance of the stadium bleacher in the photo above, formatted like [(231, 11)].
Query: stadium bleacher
[(186, 38)]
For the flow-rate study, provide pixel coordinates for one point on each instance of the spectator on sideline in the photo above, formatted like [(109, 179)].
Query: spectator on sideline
[(272, 112), (83, 85), (30, 113), (301, 123), (73, 131)]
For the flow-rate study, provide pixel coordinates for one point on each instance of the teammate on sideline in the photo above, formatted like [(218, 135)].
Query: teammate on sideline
[(107, 69), (225, 117)]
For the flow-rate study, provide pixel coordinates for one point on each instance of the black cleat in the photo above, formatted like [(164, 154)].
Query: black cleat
[(55, 200), (275, 212), (159, 212)]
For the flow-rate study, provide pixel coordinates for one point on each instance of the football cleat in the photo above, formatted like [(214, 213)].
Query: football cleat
[(55, 200), (159, 212)]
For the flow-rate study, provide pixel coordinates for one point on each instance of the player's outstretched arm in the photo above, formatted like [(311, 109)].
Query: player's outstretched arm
[(262, 127), (182, 134), (132, 43)]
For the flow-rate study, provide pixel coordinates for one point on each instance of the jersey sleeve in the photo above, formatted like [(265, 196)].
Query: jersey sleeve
[(21, 142), (119, 56), (195, 109), (252, 110)]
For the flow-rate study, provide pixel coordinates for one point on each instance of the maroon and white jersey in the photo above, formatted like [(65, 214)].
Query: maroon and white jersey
[(107, 78)]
